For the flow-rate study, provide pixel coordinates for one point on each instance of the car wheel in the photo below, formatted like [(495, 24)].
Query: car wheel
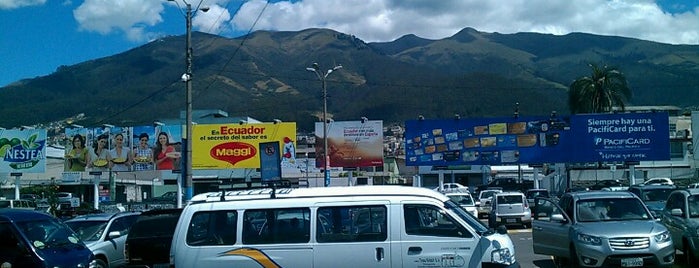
[(689, 255), (527, 225), (98, 263)]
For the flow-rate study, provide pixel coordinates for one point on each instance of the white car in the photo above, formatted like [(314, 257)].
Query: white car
[(466, 201), (663, 181), (448, 187)]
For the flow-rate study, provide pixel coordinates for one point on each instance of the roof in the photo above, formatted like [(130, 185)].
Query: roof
[(317, 192), (654, 186), (23, 215), (601, 194), (100, 216)]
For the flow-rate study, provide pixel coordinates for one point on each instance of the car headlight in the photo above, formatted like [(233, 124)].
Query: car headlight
[(589, 239), (662, 237), (502, 255)]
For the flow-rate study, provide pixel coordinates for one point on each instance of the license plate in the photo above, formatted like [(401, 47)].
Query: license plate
[(631, 262), (511, 220)]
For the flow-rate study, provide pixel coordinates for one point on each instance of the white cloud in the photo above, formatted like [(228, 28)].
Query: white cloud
[(12, 4), (386, 20), (132, 17), (211, 21)]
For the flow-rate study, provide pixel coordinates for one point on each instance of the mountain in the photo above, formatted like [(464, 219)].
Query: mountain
[(263, 75)]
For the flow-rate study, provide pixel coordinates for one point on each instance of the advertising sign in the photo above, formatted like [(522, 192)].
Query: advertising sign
[(351, 143), (222, 146), (536, 140), (23, 151)]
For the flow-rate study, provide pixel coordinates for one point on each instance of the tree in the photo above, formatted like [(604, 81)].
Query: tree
[(605, 89)]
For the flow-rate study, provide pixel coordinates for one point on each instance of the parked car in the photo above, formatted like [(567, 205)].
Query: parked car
[(18, 204), (148, 243), (531, 194), (36, 239), (600, 229), (507, 184), (510, 208), (681, 217), (609, 185), (465, 200), (451, 187), (166, 197), (693, 185), (664, 181), (483, 202), (105, 234), (653, 195)]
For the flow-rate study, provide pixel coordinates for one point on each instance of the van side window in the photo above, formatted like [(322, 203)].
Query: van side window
[(212, 228), (351, 224), (276, 226), (431, 221)]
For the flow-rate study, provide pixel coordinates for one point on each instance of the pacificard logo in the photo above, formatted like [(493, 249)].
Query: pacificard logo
[(629, 141), (233, 152)]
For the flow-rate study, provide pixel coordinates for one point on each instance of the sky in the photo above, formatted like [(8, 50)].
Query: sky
[(38, 36)]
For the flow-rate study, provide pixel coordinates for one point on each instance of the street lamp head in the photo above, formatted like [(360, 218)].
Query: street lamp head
[(316, 66)]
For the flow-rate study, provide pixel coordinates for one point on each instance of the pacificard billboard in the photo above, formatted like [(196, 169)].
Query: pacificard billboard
[(222, 146)]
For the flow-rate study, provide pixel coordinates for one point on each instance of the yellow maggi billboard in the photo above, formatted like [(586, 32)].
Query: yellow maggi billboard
[(223, 146)]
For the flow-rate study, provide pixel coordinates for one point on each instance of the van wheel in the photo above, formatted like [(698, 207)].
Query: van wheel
[(527, 226), (689, 255), (98, 263)]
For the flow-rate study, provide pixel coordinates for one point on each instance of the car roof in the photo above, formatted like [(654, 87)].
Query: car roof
[(510, 193), (20, 215), (537, 190), (101, 216), (457, 193), (654, 186), (600, 194)]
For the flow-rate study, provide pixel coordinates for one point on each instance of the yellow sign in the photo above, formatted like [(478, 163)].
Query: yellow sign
[(235, 145)]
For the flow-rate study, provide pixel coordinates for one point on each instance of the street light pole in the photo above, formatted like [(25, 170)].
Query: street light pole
[(322, 77), (187, 79)]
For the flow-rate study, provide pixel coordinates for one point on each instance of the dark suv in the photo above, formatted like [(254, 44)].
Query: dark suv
[(653, 195), (148, 243)]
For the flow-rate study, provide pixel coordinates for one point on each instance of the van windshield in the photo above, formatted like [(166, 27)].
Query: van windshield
[(466, 216)]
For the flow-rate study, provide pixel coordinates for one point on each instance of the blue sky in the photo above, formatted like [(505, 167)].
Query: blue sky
[(40, 35)]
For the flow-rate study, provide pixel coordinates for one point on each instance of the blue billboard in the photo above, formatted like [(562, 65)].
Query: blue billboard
[(537, 140)]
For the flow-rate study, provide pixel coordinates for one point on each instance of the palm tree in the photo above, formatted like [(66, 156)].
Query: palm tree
[(605, 89)]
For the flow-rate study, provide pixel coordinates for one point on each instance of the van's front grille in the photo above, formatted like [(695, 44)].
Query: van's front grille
[(629, 242)]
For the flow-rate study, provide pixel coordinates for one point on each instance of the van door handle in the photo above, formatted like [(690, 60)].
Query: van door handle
[(414, 250), (379, 254)]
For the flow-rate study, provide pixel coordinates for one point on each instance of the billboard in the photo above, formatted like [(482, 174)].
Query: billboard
[(351, 143), (223, 146), (536, 140), (23, 151)]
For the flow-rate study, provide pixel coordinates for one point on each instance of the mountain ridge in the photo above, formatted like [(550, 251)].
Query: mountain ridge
[(471, 73)]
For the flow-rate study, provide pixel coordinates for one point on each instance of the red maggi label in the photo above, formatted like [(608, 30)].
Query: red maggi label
[(233, 152)]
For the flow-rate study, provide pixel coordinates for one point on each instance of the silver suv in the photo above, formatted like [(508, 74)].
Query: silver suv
[(681, 217), (600, 229), (510, 208), (105, 235)]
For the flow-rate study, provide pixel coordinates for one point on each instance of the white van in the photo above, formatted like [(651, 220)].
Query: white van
[(362, 226)]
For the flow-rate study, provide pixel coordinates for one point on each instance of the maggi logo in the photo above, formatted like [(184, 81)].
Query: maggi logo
[(233, 152)]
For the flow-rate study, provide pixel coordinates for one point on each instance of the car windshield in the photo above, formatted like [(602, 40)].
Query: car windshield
[(611, 209), (535, 194), (88, 230), (656, 194), (693, 204), (49, 234), (487, 194), (462, 199)]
